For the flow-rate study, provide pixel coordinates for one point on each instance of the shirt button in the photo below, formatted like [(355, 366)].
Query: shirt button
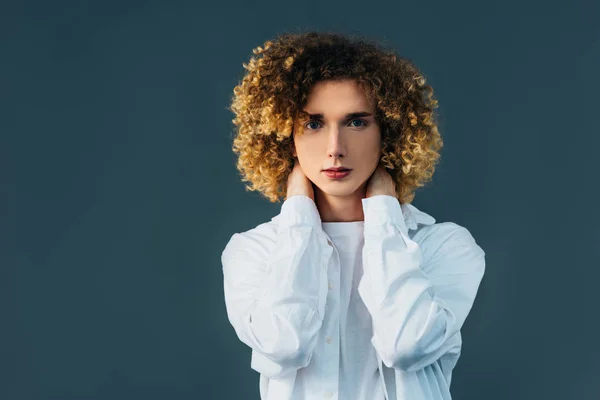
[(329, 242), (328, 395), (328, 339), (330, 285)]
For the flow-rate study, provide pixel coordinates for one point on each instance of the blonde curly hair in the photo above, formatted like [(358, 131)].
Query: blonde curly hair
[(275, 88)]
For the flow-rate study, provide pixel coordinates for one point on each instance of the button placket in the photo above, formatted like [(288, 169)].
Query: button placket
[(327, 255), (333, 339), (331, 353)]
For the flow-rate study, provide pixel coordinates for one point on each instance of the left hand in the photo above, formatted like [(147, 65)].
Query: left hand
[(381, 183)]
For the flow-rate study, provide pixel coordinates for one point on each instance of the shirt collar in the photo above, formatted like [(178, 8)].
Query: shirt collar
[(412, 216)]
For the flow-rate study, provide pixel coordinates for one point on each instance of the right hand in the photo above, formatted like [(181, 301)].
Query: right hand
[(298, 183)]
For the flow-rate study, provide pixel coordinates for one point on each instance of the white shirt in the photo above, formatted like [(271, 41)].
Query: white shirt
[(416, 279)]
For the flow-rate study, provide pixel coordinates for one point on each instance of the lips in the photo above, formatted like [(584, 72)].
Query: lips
[(336, 174)]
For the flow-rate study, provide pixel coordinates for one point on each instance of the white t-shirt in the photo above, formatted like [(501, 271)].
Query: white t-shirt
[(344, 364)]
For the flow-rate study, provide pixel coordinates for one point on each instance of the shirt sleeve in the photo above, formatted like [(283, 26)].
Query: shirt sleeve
[(416, 307), (275, 299)]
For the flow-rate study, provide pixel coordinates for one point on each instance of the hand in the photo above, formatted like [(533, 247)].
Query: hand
[(381, 183), (298, 183)]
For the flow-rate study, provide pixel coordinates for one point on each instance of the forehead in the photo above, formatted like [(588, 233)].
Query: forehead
[(336, 98)]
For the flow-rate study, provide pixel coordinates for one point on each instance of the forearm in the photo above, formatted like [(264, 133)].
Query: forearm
[(279, 316), (415, 313), (283, 322)]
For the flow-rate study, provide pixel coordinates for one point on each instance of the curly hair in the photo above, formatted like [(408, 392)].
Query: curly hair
[(275, 88)]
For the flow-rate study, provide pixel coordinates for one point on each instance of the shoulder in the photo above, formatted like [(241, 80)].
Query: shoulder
[(447, 245), (448, 248), (433, 236), (255, 242), (442, 235)]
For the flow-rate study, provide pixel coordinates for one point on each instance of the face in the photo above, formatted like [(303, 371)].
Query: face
[(333, 137)]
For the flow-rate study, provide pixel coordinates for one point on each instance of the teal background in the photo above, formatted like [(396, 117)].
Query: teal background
[(119, 188)]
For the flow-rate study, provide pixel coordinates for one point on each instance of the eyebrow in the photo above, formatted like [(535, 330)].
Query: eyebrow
[(352, 115)]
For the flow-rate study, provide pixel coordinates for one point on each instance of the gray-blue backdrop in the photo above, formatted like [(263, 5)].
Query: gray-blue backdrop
[(119, 188)]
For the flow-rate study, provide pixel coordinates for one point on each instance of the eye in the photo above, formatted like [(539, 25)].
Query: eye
[(364, 123), (310, 122), (361, 120)]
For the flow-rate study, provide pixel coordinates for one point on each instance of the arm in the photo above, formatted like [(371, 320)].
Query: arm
[(416, 308), (275, 299)]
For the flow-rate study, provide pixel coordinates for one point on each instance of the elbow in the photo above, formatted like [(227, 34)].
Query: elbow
[(280, 346), (412, 356), (403, 356), (290, 351), (405, 360), (289, 340), (403, 352), (410, 353), (280, 363)]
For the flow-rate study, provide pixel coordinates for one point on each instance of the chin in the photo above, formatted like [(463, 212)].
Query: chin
[(339, 189)]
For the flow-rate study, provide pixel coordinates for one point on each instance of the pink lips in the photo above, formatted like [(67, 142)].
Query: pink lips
[(336, 174)]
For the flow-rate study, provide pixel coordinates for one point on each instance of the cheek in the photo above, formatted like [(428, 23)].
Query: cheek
[(369, 151), (307, 151), (310, 162)]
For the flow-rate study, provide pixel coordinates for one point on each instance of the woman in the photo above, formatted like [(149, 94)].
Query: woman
[(350, 292)]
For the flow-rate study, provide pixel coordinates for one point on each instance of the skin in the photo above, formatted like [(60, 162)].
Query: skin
[(335, 141)]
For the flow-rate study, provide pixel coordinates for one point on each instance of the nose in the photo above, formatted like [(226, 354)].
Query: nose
[(335, 146)]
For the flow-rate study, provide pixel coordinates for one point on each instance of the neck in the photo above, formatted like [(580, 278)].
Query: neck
[(340, 208)]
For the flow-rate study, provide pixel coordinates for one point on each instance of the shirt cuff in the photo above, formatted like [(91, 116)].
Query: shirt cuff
[(300, 209), (381, 209)]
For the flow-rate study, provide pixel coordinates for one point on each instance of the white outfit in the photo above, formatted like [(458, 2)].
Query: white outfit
[(352, 310)]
